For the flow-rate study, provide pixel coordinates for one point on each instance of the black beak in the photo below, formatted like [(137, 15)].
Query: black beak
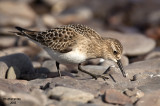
[(121, 67)]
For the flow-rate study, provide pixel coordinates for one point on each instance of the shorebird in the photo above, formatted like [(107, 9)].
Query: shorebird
[(74, 44)]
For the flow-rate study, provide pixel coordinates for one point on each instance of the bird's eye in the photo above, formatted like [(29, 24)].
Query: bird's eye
[(115, 52)]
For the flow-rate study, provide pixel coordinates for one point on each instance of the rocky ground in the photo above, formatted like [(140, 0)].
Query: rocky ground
[(28, 76)]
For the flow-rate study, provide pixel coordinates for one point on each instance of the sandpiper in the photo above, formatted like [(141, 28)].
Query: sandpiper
[(74, 44)]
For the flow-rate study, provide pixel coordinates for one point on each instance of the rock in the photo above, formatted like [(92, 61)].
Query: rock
[(50, 65), (8, 85), (36, 64), (49, 21), (70, 94), (6, 42), (3, 70), (7, 20), (153, 55), (18, 9), (116, 97), (130, 42), (80, 14), (21, 99), (20, 61), (148, 66), (13, 73), (40, 95), (151, 99)]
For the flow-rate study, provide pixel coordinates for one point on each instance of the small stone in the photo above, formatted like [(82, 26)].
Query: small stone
[(153, 55), (13, 73), (50, 65), (36, 64), (49, 20), (151, 99), (116, 97), (6, 42), (3, 69), (70, 94)]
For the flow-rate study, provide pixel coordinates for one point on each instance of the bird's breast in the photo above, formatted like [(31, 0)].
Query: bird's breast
[(73, 57)]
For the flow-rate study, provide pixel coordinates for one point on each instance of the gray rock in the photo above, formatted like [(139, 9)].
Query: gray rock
[(151, 99), (20, 61), (50, 65), (130, 42), (116, 97), (147, 66), (70, 94), (13, 73), (36, 64), (3, 70)]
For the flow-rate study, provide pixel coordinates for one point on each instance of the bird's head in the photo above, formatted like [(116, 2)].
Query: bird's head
[(112, 50)]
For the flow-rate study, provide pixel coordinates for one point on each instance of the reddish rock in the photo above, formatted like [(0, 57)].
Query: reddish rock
[(116, 97)]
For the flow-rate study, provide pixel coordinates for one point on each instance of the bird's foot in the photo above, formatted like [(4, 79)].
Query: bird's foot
[(100, 76)]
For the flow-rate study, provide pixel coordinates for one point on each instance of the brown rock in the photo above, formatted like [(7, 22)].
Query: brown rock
[(130, 42), (151, 99), (116, 97), (13, 73), (18, 9)]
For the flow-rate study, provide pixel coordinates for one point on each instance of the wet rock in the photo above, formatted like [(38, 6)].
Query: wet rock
[(3, 70), (13, 73), (18, 9), (116, 97), (6, 42), (8, 85), (151, 99), (70, 94), (130, 42), (147, 66), (20, 61)]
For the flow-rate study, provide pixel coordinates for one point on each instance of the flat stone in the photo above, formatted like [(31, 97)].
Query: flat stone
[(153, 55), (3, 69), (18, 9), (147, 66), (130, 42), (151, 99), (116, 97), (70, 94), (8, 85)]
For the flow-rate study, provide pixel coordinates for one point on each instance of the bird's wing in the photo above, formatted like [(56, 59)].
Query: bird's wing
[(84, 31), (58, 39)]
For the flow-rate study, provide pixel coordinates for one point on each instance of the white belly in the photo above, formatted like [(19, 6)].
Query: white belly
[(73, 57)]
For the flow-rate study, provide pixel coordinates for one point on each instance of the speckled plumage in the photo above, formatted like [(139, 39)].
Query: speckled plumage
[(74, 44)]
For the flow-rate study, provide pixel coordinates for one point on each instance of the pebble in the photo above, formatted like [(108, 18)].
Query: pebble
[(70, 94), (3, 69), (6, 42), (151, 99), (116, 97), (13, 73)]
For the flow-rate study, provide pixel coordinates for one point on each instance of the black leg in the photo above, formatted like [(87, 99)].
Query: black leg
[(107, 72), (93, 75), (57, 65)]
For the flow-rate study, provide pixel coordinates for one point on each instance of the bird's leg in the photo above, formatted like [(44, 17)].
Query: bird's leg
[(93, 75), (106, 72), (57, 65)]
